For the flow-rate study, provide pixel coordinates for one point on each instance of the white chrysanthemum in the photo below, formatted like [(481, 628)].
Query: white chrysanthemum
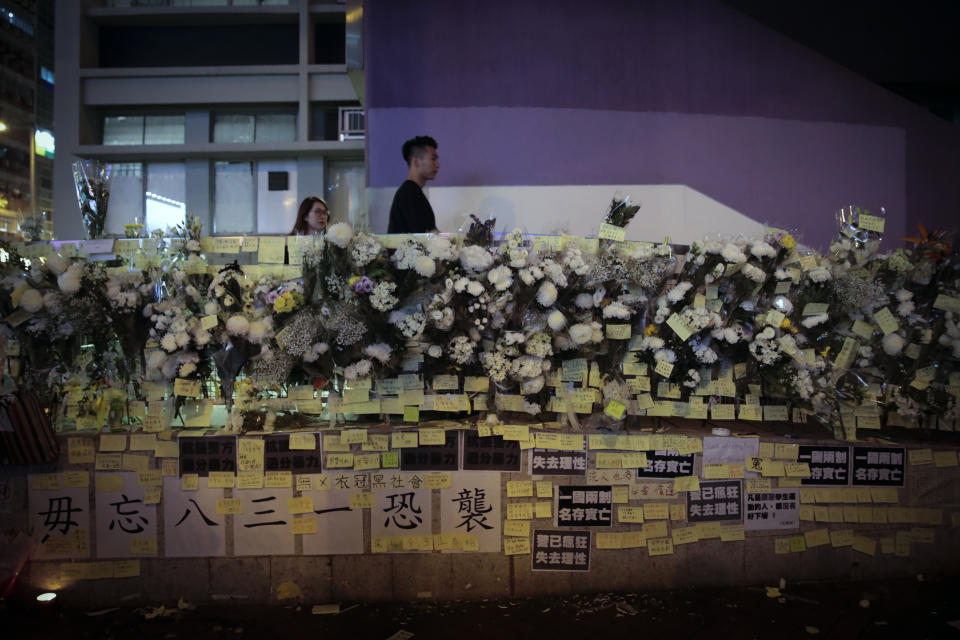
[(475, 258), (31, 300), (500, 277), (440, 248), (733, 253), (547, 294), (651, 343), (905, 308), (315, 351), (69, 281), (182, 338), (677, 293), (904, 294), (783, 304), (705, 354), (616, 310), (761, 249), (238, 326), (379, 351), (425, 266), (382, 298), (581, 333), (531, 385), (556, 320), (584, 301), (186, 369), (156, 360), (820, 274), (202, 338), (168, 342), (811, 321), (754, 273), (340, 234), (434, 351), (475, 288), (363, 367), (893, 344), (259, 329), (58, 263), (666, 355)]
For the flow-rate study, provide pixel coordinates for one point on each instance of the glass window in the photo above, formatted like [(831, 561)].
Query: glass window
[(346, 192), (165, 195), (126, 196), (163, 129), (123, 130), (231, 127), (234, 201), (276, 127)]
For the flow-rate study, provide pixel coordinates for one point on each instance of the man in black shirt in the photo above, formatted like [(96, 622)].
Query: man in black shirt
[(411, 211)]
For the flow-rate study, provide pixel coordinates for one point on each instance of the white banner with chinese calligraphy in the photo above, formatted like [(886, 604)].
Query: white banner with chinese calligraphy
[(60, 520), (402, 512), (472, 505), (263, 528), (339, 528), (192, 528), (126, 526)]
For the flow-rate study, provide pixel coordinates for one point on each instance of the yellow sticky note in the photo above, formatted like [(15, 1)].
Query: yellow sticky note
[(659, 546), (143, 546), (303, 441), (686, 483), (303, 526), (299, 505), (945, 458), (277, 479), (80, 450), (656, 511), (149, 478), (112, 483), (543, 509), (221, 479), (519, 488), (516, 528), (439, 480), (229, 506), (920, 456), (431, 436), (817, 537), (401, 440), (544, 489), (364, 500), (732, 533), (113, 443), (520, 511), (189, 482), (516, 546), (250, 454), (630, 514), (250, 480), (76, 479)]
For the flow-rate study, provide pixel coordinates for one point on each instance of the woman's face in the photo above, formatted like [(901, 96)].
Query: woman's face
[(317, 217)]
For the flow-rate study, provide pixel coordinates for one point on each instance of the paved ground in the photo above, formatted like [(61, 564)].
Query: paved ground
[(903, 609)]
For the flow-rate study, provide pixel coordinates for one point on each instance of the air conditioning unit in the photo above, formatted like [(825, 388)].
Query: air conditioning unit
[(353, 123)]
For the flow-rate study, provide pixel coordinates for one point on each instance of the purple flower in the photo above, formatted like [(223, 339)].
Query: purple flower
[(272, 296), (363, 285)]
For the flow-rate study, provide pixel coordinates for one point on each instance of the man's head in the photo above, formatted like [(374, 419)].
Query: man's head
[(420, 154)]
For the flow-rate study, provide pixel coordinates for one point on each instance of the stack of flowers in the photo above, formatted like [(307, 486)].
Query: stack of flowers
[(564, 326)]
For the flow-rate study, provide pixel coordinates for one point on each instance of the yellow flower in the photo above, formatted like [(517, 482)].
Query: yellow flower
[(788, 241), (352, 280), (825, 352), (785, 323), (650, 330)]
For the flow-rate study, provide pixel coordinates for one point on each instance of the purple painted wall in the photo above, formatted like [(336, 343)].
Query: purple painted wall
[(649, 92)]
